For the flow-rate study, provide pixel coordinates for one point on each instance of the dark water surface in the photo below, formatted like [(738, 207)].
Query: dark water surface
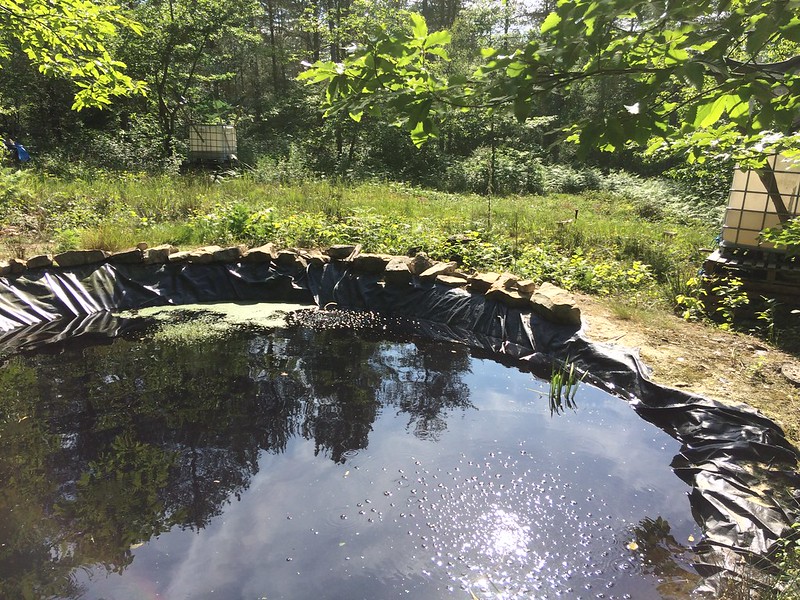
[(328, 464)]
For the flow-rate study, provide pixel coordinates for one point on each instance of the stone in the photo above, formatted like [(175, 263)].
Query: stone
[(76, 258), (507, 281), (228, 255), (286, 258), (503, 291), (179, 257), (316, 258), (340, 251), (791, 371), (438, 269), (526, 286), (18, 266), (131, 256), (266, 253), (204, 255), (40, 261), (452, 280), (142, 246), (396, 271), (481, 282), (419, 264), (158, 254), (371, 263), (555, 304), (5, 268)]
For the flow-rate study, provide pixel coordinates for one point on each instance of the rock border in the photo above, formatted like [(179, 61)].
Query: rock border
[(547, 300)]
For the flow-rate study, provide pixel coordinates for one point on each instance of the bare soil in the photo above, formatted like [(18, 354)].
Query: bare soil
[(726, 366)]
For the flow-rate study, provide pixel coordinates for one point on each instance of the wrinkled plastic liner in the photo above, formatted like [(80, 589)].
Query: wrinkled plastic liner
[(741, 469)]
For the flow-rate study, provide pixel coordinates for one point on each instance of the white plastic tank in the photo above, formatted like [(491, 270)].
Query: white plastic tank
[(212, 143), (760, 200)]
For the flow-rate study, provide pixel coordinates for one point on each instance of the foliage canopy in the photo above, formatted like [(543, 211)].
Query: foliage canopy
[(70, 38), (706, 76)]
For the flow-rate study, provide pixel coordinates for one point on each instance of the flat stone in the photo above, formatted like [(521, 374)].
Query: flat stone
[(396, 271), (792, 372), (40, 261), (371, 263), (526, 286), (228, 255), (555, 304), (340, 251), (481, 282), (76, 258), (499, 293), (507, 281), (434, 271), (316, 258), (204, 255), (419, 264), (452, 280), (158, 254), (132, 256), (264, 254), (18, 266), (179, 257), (286, 258)]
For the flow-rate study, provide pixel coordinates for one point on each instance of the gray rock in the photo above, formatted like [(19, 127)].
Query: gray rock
[(158, 254), (316, 258), (179, 257), (228, 255), (452, 280), (526, 286), (481, 282), (287, 258), (438, 269), (503, 291), (76, 258), (340, 251), (18, 266), (40, 261), (204, 255), (396, 271), (132, 256), (371, 263), (555, 304), (266, 253), (419, 264)]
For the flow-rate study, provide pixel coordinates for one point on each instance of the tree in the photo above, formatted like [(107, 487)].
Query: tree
[(704, 76), (70, 39)]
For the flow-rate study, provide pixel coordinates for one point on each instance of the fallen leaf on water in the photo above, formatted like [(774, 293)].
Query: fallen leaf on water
[(633, 546), (691, 538)]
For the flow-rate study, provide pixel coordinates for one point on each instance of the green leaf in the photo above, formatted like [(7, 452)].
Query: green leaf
[(551, 22), (419, 28), (438, 38)]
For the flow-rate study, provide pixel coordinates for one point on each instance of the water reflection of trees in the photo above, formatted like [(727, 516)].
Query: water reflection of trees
[(103, 448)]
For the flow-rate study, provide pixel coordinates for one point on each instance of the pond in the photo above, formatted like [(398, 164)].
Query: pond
[(203, 459)]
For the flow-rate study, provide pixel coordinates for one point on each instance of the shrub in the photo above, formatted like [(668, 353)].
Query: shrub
[(515, 172)]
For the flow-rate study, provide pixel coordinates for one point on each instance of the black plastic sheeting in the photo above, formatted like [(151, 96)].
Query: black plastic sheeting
[(742, 471)]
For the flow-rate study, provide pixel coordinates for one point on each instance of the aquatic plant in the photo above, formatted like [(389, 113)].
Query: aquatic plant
[(564, 382)]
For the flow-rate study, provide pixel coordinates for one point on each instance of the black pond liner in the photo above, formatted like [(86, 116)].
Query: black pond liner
[(741, 470)]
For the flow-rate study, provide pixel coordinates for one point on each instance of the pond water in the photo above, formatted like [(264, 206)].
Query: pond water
[(197, 461)]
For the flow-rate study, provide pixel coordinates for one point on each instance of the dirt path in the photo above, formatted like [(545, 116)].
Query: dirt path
[(729, 367)]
